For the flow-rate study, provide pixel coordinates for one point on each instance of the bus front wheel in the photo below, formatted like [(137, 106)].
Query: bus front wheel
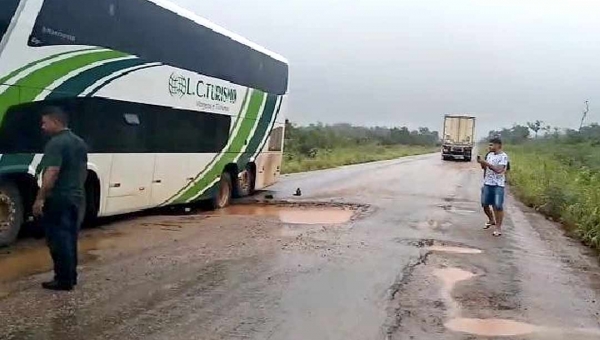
[(11, 213), (224, 192)]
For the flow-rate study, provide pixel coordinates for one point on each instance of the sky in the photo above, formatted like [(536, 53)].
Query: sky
[(409, 62)]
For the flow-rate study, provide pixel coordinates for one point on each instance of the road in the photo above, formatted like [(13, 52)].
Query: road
[(389, 250)]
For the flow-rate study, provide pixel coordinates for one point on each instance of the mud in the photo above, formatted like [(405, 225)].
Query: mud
[(291, 214), (32, 257), (491, 327)]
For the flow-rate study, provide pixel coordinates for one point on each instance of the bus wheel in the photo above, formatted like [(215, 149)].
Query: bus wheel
[(11, 213), (224, 192), (91, 202), (245, 182)]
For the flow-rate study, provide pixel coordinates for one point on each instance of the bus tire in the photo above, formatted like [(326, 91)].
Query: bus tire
[(245, 183), (11, 213), (92, 200), (224, 192)]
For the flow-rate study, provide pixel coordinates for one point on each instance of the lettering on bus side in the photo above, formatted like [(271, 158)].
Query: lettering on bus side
[(181, 86)]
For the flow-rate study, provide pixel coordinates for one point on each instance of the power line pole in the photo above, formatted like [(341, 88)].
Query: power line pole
[(585, 112)]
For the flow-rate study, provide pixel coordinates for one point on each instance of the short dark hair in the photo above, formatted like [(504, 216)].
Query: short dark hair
[(496, 140), (56, 113)]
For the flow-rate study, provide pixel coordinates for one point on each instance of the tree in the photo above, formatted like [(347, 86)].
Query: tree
[(535, 126)]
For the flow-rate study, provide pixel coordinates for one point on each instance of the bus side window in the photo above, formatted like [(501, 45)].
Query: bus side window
[(9, 8), (21, 130)]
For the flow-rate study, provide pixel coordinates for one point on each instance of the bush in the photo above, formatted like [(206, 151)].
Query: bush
[(560, 179)]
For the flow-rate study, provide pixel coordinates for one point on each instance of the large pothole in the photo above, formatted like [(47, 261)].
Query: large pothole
[(307, 214)]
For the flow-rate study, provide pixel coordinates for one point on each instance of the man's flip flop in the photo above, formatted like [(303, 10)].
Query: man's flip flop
[(497, 233)]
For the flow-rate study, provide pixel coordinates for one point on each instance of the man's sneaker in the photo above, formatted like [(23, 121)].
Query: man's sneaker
[(488, 225), (497, 233)]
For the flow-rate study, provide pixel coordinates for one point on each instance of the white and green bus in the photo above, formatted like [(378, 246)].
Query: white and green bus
[(174, 108)]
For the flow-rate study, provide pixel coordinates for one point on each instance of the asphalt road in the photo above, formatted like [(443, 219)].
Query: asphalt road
[(390, 250)]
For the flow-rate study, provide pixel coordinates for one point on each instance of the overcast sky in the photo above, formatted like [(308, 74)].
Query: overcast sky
[(408, 62)]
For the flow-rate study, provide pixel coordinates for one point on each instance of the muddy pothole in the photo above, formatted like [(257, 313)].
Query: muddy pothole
[(491, 327), (456, 210), (440, 246), (453, 249), (302, 214)]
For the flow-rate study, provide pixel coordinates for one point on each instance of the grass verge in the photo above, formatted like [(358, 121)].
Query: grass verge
[(325, 159), (561, 181)]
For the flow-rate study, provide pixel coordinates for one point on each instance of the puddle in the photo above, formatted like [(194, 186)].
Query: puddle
[(491, 327), (451, 276), (454, 250), (291, 214)]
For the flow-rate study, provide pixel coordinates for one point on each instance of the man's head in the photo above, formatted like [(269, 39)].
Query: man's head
[(54, 120), (495, 144)]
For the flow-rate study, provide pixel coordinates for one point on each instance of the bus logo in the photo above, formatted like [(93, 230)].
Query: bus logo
[(178, 85)]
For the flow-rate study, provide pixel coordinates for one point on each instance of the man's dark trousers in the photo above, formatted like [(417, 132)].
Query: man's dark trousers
[(61, 222)]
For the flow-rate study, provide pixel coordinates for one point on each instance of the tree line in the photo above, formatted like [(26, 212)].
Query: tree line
[(308, 140), (538, 130)]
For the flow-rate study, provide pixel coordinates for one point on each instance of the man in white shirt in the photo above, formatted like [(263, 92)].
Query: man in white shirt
[(492, 193)]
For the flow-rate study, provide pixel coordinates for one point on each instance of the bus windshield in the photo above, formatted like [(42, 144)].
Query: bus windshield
[(8, 10)]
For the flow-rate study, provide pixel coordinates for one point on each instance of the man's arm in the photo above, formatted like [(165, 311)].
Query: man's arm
[(48, 181), (52, 162), (500, 168)]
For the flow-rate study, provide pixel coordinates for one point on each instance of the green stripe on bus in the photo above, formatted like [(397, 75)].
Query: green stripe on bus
[(238, 120), (18, 162), (79, 83), (231, 153), (34, 84), (32, 64), (261, 130)]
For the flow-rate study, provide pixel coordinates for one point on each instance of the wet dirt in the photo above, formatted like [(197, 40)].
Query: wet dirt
[(292, 214), (32, 257), (491, 327)]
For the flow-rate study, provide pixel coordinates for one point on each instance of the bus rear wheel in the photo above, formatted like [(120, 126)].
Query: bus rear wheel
[(11, 213), (224, 192), (245, 183)]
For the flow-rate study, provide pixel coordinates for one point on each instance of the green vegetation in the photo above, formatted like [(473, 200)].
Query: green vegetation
[(320, 146), (559, 175)]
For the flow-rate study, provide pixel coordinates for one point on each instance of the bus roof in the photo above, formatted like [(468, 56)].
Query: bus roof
[(208, 24)]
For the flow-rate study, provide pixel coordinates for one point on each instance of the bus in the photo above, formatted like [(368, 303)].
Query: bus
[(174, 108)]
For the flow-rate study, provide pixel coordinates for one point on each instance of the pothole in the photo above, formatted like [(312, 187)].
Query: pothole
[(453, 209), (440, 246), (490, 327), (451, 276), (454, 250), (293, 214)]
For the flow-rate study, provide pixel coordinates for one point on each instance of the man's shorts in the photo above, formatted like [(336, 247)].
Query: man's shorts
[(492, 196)]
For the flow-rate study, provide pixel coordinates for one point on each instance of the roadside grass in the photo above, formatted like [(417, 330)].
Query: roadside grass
[(339, 156), (562, 181)]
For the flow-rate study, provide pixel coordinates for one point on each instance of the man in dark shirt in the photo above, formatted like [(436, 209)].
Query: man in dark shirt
[(59, 202)]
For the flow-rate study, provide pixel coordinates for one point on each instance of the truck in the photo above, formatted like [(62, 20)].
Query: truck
[(458, 137)]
